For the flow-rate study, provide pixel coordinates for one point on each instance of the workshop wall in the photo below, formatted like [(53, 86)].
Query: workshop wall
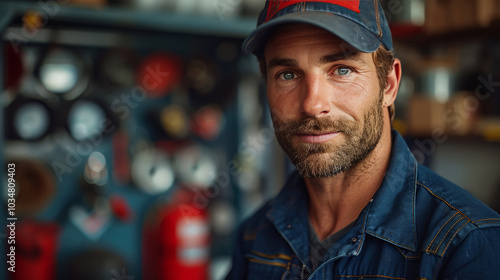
[(141, 138)]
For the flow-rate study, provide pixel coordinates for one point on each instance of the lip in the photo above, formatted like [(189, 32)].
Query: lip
[(317, 138)]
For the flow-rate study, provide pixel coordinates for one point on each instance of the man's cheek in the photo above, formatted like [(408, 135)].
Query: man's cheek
[(278, 120)]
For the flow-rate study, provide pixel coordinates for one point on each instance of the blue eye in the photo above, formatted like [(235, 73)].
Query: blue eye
[(343, 71), (287, 76)]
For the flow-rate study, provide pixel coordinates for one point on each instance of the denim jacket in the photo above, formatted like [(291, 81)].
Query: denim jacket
[(417, 226)]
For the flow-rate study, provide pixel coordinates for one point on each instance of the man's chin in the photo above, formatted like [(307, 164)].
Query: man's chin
[(318, 173), (318, 165)]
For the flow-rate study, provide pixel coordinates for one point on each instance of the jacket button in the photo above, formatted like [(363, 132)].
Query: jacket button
[(289, 226), (354, 240)]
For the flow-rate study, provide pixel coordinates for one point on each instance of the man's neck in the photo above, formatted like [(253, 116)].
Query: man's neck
[(337, 201)]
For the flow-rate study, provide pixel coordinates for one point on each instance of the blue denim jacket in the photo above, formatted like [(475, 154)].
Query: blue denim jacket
[(417, 226)]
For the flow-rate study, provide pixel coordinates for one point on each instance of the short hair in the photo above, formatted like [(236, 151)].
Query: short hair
[(384, 62), (383, 59)]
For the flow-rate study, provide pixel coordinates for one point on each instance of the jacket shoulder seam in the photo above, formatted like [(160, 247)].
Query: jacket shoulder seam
[(487, 221), (443, 200), (451, 233), (441, 228), (453, 237)]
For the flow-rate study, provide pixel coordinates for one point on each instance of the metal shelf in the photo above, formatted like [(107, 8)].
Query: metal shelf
[(118, 17)]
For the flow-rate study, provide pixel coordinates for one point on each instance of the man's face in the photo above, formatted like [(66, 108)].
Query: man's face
[(325, 100)]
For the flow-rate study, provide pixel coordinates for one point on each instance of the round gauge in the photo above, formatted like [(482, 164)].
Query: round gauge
[(59, 77), (222, 216), (207, 122), (35, 186), (96, 172), (117, 68), (174, 121), (63, 73), (208, 80), (201, 76), (159, 73), (195, 166), (152, 172), (85, 119), (31, 121)]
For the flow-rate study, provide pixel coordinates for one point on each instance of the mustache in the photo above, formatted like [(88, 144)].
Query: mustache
[(315, 125)]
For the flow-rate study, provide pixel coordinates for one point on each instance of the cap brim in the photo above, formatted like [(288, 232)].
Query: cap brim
[(346, 29)]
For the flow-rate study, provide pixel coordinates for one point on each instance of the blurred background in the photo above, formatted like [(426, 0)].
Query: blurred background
[(141, 138)]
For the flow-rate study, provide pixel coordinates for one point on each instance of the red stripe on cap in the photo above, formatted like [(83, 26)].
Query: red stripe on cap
[(277, 5)]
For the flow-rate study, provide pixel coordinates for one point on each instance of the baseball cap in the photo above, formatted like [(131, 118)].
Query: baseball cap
[(360, 23)]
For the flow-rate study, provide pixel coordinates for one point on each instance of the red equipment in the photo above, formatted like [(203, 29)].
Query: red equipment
[(176, 240), (36, 246)]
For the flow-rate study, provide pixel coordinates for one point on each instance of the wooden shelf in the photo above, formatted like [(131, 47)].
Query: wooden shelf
[(416, 36)]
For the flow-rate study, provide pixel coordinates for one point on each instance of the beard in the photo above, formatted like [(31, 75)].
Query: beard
[(318, 160)]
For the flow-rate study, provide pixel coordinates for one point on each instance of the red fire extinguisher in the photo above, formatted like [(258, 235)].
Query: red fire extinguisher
[(36, 251), (176, 240)]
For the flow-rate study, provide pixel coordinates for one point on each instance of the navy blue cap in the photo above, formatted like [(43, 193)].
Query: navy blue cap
[(360, 23)]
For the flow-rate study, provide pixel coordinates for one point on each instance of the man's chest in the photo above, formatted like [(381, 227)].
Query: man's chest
[(351, 259)]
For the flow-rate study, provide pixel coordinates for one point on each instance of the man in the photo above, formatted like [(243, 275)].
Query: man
[(358, 205)]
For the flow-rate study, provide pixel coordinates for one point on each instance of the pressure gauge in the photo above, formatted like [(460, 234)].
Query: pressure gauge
[(152, 172), (174, 121), (31, 121), (85, 119), (159, 73), (195, 166), (28, 119), (62, 73), (208, 122), (117, 69), (35, 186)]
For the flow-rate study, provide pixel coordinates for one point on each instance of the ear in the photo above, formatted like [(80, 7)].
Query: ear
[(393, 79)]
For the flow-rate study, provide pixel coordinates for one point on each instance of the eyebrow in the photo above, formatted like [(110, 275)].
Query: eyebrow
[(288, 62)]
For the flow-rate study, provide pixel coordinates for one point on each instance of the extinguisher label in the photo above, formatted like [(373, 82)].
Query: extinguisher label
[(193, 241), (192, 231), (194, 255)]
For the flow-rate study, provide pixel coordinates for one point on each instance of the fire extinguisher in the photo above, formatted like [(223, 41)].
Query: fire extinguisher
[(36, 251), (176, 240)]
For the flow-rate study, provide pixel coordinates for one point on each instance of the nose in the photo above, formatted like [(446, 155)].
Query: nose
[(316, 100)]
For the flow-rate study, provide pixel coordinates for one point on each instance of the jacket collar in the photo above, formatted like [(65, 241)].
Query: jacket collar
[(288, 213), (390, 217)]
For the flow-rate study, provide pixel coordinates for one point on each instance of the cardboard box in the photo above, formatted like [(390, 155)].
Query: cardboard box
[(450, 15), (463, 14), (456, 117), (89, 3), (496, 14), (468, 14), (425, 115), (436, 17), (489, 128), (461, 114), (485, 12)]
